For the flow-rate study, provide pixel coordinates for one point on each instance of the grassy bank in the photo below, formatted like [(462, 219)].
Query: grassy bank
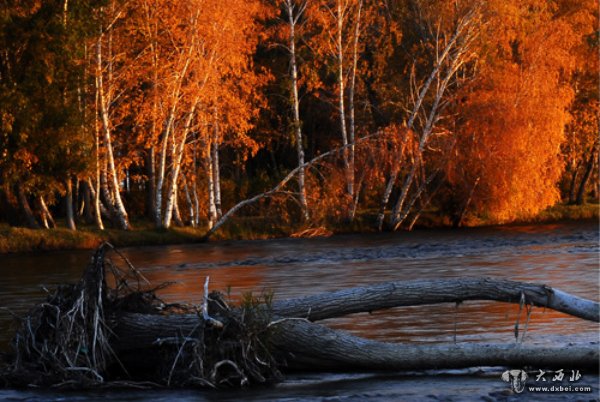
[(17, 240), (562, 212)]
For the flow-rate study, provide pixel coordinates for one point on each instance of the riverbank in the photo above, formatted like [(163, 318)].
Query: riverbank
[(19, 240)]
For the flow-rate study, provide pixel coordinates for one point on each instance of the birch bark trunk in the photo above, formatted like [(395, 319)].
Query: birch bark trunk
[(47, 219), (166, 137), (455, 52), (340, 17), (119, 207), (70, 216), (351, 119), (177, 152), (216, 169), (212, 209), (293, 18)]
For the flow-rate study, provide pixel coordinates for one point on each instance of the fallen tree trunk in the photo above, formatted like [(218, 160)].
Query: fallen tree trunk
[(421, 292), (91, 334), (309, 346), (312, 345)]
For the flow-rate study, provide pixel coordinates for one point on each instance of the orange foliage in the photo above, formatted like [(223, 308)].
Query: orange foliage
[(514, 113)]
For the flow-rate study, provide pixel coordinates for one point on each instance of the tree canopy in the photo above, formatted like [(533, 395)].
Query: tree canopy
[(179, 111)]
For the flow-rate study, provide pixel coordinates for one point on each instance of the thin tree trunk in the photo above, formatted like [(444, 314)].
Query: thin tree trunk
[(195, 200), (106, 195), (400, 213), (177, 151), (26, 208), (153, 210), (196, 204), (70, 218), (167, 133), (216, 169), (150, 184), (465, 208), (422, 207), (357, 195), (88, 212), (78, 204), (99, 207), (176, 213), (386, 196), (171, 188), (580, 200), (277, 187), (340, 16), (351, 122), (440, 59), (121, 213), (47, 219), (212, 209), (293, 18), (97, 202), (573, 181), (190, 204)]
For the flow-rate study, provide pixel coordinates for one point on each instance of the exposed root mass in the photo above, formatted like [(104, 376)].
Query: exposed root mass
[(67, 341)]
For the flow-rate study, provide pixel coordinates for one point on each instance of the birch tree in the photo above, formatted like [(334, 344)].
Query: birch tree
[(295, 11), (106, 93), (339, 41), (451, 51)]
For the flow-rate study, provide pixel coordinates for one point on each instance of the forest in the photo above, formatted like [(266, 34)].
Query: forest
[(296, 113)]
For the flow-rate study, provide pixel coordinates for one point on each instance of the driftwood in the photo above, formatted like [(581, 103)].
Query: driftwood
[(92, 334)]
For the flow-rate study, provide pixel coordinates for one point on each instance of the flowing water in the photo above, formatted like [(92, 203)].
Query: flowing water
[(563, 255)]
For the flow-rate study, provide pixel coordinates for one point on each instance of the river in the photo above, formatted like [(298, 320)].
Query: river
[(564, 255)]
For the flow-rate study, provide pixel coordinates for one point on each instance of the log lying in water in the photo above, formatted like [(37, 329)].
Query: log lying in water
[(124, 334), (316, 346), (421, 292), (312, 346)]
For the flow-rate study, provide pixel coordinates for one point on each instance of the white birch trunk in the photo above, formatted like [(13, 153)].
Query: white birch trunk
[(400, 212), (120, 212), (341, 94), (216, 170), (97, 214), (293, 18), (70, 218), (177, 152), (455, 49), (190, 204), (278, 187), (167, 132), (212, 209), (351, 120), (176, 212), (195, 200), (47, 219)]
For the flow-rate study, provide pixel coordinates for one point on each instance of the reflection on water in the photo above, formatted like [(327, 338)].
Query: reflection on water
[(560, 255)]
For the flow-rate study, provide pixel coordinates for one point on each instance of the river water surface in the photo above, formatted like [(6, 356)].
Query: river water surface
[(563, 255)]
